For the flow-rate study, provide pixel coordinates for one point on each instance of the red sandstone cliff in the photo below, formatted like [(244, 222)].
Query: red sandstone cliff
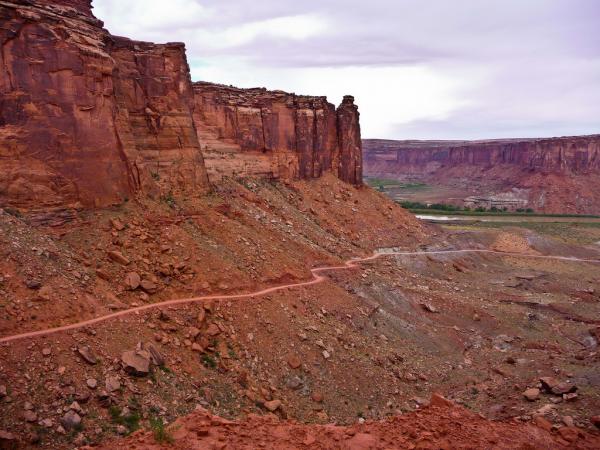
[(558, 174), (276, 134), (90, 119), (87, 118)]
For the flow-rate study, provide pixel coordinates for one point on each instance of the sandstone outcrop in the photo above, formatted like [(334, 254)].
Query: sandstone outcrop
[(87, 118), (90, 119), (557, 174), (256, 132)]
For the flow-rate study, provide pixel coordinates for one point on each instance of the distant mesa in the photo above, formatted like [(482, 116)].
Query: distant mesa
[(552, 175)]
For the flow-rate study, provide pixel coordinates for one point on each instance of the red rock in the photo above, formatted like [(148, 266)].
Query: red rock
[(543, 423), (201, 316), (213, 330), (132, 281), (273, 405), (71, 420), (101, 273), (294, 361), (7, 439), (135, 363), (140, 111), (149, 286), (570, 397), (30, 416), (117, 224), (197, 348), (112, 384), (438, 400), (596, 421), (362, 441), (317, 397), (570, 434), (532, 394), (87, 355), (118, 257), (274, 134), (553, 386), (156, 129)]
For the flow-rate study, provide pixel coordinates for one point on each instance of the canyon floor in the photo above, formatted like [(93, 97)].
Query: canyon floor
[(507, 333)]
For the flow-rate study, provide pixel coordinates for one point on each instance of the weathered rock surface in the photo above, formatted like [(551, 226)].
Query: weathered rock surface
[(87, 118), (556, 174), (274, 134), (441, 425), (90, 119)]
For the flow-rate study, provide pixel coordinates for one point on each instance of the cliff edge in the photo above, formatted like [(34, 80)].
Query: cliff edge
[(88, 119)]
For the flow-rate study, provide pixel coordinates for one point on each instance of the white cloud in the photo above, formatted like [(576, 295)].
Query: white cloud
[(386, 95), (145, 19), (418, 68)]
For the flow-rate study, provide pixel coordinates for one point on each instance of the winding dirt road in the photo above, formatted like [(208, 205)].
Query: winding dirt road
[(317, 278)]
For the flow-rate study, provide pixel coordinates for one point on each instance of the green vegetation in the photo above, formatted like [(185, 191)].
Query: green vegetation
[(13, 212), (381, 184), (161, 434), (170, 200), (442, 208), (209, 361), (130, 421)]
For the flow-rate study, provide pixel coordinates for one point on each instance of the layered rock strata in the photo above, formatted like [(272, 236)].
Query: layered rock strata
[(87, 118), (255, 132), (90, 119), (558, 174)]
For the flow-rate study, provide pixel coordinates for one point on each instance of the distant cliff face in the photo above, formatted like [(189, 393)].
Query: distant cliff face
[(255, 132), (90, 119), (559, 174)]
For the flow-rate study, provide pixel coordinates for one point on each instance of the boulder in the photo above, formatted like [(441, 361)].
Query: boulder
[(149, 286), (440, 401), (118, 257), (71, 420), (273, 405), (136, 363), (132, 281), (87, 355), (532, 394), (112, 384)]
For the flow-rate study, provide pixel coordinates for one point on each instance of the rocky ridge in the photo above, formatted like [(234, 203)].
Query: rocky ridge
[(90, 119), (559, 175), (276, 134)]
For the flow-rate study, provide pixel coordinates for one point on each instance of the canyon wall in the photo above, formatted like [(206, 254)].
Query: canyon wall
[(276, 134), (90, 119), (557, 174)]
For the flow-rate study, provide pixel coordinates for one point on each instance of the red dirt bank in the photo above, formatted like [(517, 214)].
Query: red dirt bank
[(439, 426)]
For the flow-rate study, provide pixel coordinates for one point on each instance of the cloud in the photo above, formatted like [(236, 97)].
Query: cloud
[(418, 68)]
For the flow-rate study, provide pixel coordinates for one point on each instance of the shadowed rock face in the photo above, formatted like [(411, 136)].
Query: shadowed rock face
[(255, 132), (560, 174), (89, 119)]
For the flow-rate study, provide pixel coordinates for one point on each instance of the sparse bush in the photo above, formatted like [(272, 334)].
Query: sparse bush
[(161, 434), (209, 361), (13, 212), (170, 200), (130, 421)]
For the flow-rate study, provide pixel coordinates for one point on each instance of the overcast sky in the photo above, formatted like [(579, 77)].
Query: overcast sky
[(423, 69)]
